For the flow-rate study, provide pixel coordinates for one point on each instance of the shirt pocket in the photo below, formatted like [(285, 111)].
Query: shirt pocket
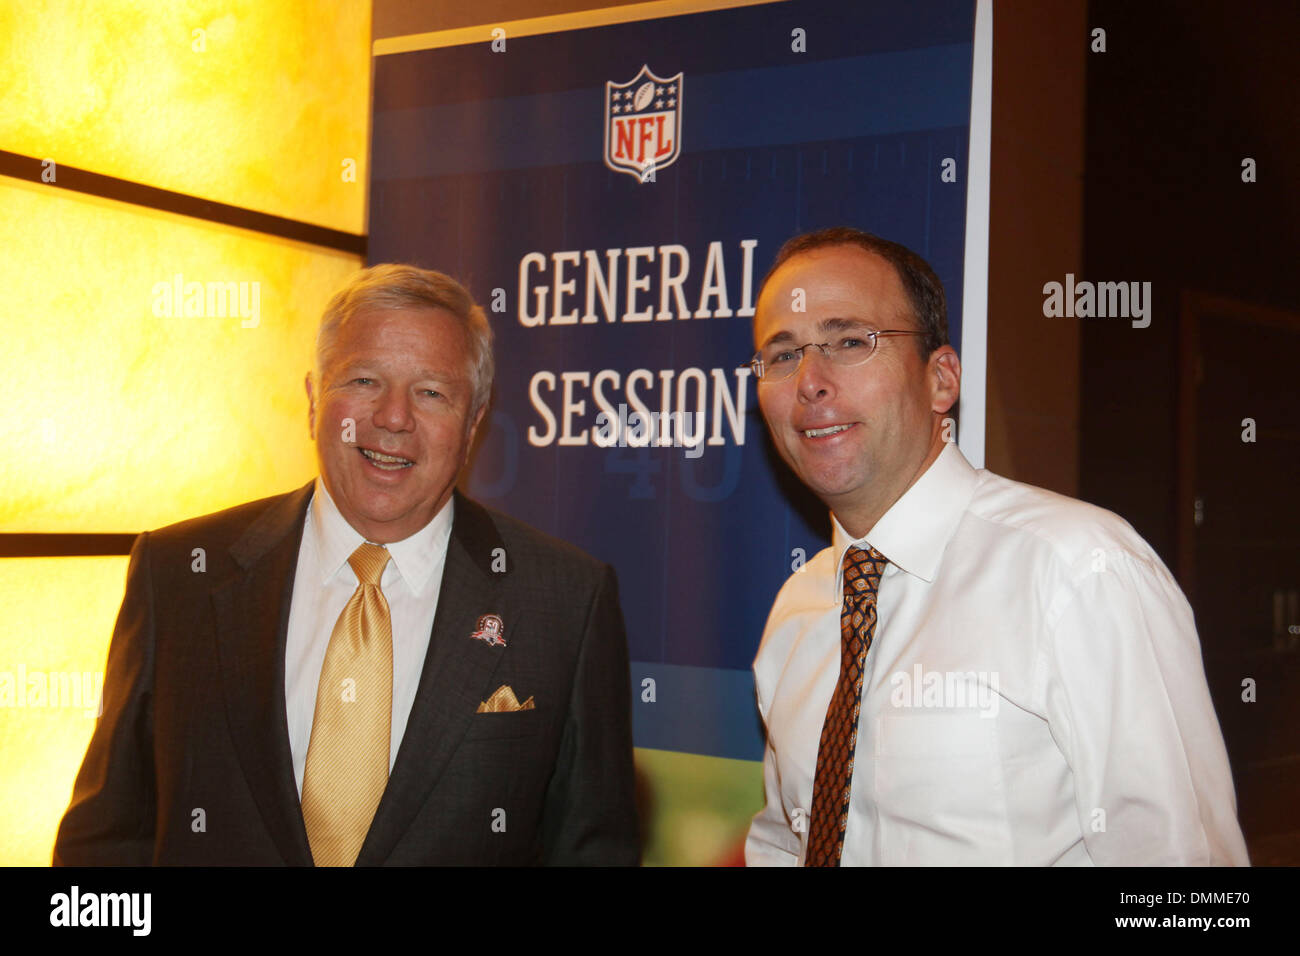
[(923, 735), (939, 789)]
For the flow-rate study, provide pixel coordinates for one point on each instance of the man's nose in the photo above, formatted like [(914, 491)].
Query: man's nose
[(812, 378), (394, 412)]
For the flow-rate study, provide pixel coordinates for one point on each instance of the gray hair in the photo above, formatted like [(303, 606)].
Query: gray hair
[(397, 286)]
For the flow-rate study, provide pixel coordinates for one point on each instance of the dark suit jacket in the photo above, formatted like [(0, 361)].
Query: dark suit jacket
[(190, 762)]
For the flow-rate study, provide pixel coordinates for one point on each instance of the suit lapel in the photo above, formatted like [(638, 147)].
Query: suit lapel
[(456, 677), (252, 615)]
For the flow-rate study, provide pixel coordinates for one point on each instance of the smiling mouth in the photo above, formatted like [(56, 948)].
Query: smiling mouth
[(823, 432), (385, 462)]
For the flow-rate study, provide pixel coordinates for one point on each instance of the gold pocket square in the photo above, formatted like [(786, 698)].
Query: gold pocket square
[(504, 701)]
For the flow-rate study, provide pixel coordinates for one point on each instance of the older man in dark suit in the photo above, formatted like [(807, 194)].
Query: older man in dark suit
[(372, 669)]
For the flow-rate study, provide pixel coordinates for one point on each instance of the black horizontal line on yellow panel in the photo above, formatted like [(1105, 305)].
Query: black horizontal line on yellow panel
[(73, 545), (28, 168)]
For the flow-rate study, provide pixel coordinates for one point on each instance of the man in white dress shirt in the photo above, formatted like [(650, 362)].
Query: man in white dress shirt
[(976, 671)]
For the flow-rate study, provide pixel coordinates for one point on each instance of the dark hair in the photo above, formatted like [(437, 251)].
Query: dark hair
[(923, 288)]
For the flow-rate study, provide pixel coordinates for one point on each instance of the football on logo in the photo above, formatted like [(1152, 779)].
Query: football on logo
[(644, 94), (643, 124)]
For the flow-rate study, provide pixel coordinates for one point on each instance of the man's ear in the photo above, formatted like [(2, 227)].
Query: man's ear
[(311, 407), (944, 374), (473, 428)]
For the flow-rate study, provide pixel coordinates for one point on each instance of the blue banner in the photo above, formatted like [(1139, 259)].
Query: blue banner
[(613, 197)]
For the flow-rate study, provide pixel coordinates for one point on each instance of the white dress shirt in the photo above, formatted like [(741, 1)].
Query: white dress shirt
[(322, 586), (1033, 695)]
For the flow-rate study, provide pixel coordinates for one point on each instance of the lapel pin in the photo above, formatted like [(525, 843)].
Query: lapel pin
[(490, 631)]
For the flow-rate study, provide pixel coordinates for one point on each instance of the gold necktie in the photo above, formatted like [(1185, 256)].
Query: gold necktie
[(347, 758)]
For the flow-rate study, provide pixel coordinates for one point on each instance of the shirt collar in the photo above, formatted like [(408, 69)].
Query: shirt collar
[(415, 557), (916, 529)]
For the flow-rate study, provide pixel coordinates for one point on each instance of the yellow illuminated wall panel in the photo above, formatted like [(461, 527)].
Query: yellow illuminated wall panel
[(123, 412), (56, 618), (152, 362), (255, 103)]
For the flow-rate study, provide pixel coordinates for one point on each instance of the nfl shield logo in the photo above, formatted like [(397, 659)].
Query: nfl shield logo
[(643, 124)]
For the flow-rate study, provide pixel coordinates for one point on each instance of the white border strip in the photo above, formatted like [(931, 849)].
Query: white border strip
[(975, 283)]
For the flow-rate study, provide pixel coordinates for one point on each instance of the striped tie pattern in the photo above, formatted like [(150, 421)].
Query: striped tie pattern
[(347, 758), (834, 776)]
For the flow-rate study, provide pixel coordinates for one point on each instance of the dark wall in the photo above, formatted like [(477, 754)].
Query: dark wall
[(1035, 232), (1182, 94)]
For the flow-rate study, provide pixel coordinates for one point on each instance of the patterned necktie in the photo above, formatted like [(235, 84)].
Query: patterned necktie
[(347, 758), (830, 804)]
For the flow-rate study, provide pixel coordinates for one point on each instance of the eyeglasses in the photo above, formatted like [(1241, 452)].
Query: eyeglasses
[(778, 361)]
